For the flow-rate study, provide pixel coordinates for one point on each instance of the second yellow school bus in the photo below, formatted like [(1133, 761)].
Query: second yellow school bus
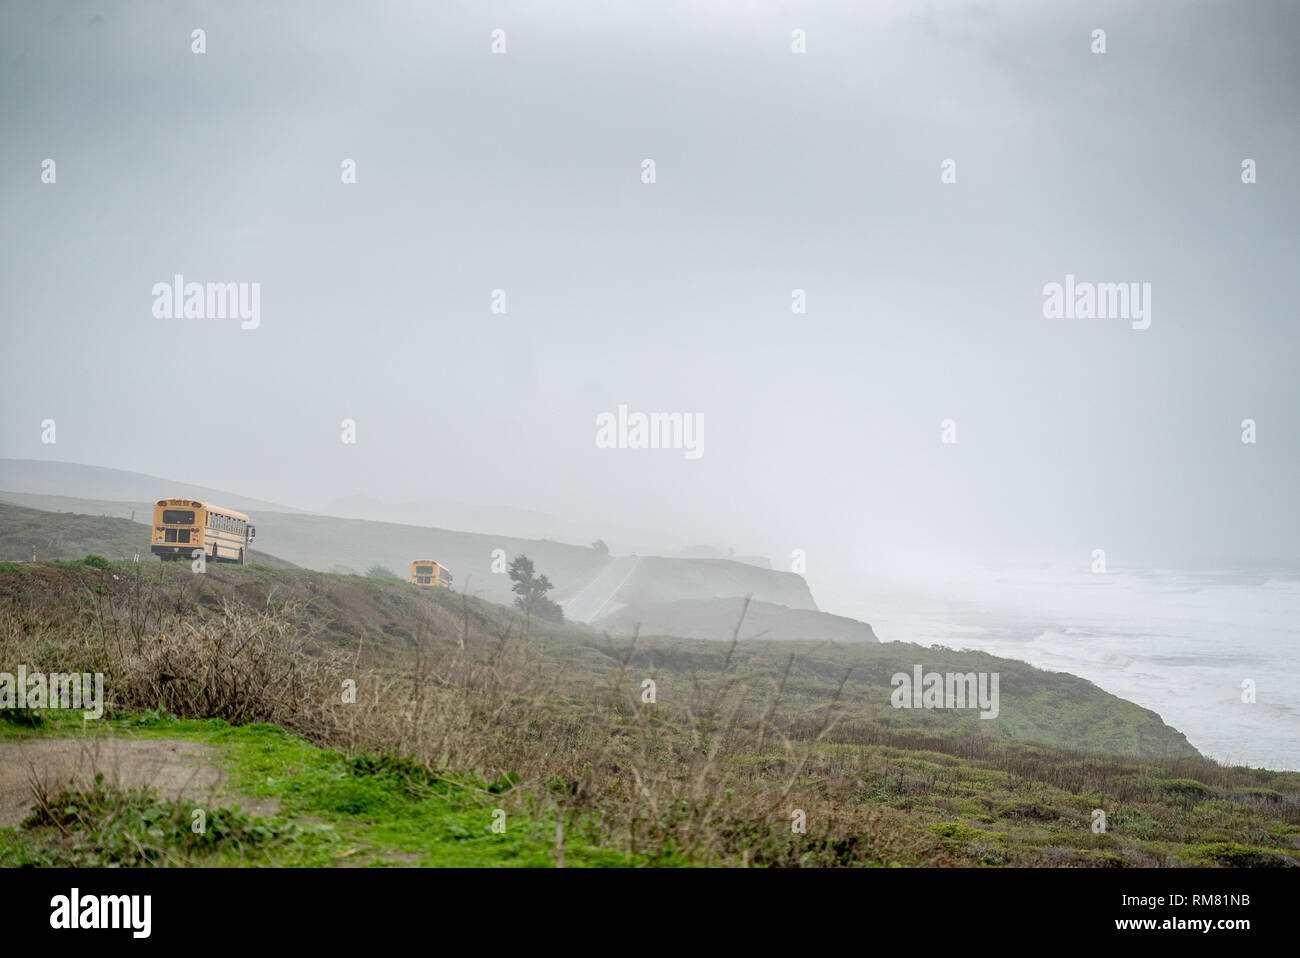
[(182, 526), (426, 572)]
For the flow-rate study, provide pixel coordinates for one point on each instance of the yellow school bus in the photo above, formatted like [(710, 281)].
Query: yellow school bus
[(426, 572), (180, 526)]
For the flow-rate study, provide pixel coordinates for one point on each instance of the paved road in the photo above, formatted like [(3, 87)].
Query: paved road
[(597, 597)]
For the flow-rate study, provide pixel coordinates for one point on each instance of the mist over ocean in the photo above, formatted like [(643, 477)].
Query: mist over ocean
[(1178, 642)]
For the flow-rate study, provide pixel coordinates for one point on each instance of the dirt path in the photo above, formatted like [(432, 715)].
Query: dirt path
[(173, 767)]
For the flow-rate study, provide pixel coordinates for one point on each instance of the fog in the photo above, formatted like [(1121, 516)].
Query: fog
[(774, 171)]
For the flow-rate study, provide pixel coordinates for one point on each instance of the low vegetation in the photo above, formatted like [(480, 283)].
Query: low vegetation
[(397, 725)]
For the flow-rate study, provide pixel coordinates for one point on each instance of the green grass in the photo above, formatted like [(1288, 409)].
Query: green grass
[(108, 827), (334, 810)]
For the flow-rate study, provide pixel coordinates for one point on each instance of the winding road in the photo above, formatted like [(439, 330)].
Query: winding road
[(597, 597)]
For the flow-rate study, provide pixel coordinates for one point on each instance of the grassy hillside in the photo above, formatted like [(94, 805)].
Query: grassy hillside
[(323, 542), (334, 544), (478, 711), (351, 545), (27, 533), (380, 622)]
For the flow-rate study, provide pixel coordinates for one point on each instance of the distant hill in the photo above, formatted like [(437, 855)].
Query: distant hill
[(51, 478), (446, 514), (27, 533), (323, 542), (330, 543), (74, 480), (476, 559), (715, 618), (658, 580), (713, 552)]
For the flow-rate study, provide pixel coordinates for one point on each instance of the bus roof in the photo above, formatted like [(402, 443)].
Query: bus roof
[(195, 504)]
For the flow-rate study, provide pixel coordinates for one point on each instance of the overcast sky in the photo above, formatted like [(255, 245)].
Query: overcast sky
[(775, 171)]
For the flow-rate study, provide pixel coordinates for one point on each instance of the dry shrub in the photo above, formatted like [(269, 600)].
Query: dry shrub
[(238, 665)]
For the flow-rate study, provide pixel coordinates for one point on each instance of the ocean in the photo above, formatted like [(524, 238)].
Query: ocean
[(1180, 643)]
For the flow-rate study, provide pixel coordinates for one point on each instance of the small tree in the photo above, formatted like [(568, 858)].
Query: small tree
[(378, 571), (599, 546), (531, 590)]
